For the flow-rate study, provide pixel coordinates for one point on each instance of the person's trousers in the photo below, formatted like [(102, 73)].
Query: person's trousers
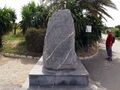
[(109, 52)]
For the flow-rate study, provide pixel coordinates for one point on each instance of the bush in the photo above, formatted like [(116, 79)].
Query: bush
[(116, 32), (35, 40), (84, 39), (35, 16), (118, 38)]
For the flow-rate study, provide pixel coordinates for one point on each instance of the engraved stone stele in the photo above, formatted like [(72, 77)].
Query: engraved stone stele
[(59, 44), (59, 64)]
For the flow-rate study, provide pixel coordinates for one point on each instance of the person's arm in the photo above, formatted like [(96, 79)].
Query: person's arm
[(110, 40)]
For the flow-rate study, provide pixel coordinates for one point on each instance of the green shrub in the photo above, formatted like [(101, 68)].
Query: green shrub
[(118, 38), (116, 32), (84, 39), (35, 40)]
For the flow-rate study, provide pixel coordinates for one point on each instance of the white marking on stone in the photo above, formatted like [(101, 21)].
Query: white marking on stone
[(65, 59), (59, 45)]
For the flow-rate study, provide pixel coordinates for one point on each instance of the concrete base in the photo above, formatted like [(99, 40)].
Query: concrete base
[(78, 77), (92, 86)]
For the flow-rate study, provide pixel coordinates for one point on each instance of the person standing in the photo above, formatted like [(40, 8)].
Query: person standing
[(109, 43)]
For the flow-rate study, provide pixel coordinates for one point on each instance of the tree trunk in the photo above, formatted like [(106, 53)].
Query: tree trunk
[(14, 31), (1, 41), (23, 31)]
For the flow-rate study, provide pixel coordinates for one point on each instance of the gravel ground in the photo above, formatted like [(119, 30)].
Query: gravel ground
[(14, 71)]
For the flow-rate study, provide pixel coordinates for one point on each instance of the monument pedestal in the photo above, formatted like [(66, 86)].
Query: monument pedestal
[(78, 77), (60, 66)]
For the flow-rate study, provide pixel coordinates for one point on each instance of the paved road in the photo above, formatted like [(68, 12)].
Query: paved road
[(104, 73)]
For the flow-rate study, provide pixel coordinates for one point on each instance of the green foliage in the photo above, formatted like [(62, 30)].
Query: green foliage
[(16, 44), (34, 16), (35, 40), (118, 38), (116, 32), (93, 7), (118, 26), (84, 12), (12, 37), (27, 15), (13, 43), (81, 19), (7, 19), (104, 29), (83, 39)]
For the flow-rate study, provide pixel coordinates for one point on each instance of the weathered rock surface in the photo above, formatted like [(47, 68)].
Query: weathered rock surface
[(59, 46)]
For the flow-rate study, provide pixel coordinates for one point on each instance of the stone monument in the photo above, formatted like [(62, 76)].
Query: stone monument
[(60, 63), (59, 47)]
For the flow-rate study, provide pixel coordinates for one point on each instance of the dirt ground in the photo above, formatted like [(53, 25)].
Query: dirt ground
[(14, 71)]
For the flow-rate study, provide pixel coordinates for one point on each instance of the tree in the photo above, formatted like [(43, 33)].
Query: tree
[(7, 19), (86, 12), (27, 15), (15, 26), (33, 16), (118, 26), (92, 7), (96, 7)]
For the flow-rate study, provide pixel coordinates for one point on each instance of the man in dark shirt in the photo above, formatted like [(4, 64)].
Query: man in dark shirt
[(109, 45)]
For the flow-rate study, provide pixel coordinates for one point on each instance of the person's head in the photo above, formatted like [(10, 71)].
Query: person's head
[(109, 31)]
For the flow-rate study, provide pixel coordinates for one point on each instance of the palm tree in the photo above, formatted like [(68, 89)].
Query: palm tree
[(33, 16), (86, 12), (92, 7), (27, 15), (7, 19), (96, 7), (15, 26)]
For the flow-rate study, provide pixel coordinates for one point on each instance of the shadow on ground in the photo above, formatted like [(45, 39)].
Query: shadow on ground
[(28, 61), (103, 72), (5, 60)]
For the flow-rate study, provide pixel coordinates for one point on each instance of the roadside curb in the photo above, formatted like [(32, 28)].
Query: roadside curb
[(19, 56), (89, 57), (37, 58)]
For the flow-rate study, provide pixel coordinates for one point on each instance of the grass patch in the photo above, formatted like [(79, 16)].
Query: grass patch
[(11, 41), (16, 44), (83, 52)]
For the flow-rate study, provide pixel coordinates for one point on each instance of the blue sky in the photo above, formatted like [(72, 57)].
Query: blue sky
[(18, 4)]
